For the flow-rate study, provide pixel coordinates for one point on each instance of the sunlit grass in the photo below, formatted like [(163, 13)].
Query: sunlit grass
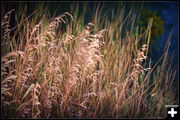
[(60, 68)]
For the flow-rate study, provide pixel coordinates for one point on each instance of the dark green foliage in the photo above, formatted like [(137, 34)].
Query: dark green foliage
[(158, 23)]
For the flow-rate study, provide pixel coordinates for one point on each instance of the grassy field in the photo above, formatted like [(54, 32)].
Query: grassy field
[(59, 67)]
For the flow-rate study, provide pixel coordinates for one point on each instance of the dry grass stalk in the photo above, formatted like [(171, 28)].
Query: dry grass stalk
[(78, 74)]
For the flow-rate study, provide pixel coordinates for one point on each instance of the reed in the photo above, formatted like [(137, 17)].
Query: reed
[(60, 68)]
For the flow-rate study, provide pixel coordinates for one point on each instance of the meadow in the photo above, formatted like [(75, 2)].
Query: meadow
[(60, 67)]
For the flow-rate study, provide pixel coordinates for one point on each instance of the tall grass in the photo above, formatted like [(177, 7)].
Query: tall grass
[(60, 68)]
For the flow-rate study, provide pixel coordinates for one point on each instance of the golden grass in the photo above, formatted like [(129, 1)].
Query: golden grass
[(89, 73)]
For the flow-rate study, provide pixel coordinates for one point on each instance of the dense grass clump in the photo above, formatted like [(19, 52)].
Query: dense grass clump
[(60, 68)]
